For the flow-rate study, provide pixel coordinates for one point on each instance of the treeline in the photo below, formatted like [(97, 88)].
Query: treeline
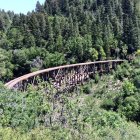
[(67, 31)]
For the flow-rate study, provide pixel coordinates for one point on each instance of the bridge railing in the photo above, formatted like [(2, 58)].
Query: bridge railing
[(67, 75)]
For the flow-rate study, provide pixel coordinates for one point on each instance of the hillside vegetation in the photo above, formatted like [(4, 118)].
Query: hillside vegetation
[(107, 107), (65, 32)]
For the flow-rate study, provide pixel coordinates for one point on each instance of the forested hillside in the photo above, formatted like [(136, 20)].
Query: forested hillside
[(61, 32), (67, 31)]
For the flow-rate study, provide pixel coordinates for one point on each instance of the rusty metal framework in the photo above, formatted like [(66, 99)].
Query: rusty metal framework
[(63, 77)]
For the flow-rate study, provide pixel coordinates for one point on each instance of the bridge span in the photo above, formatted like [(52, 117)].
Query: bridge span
[(63, 77)]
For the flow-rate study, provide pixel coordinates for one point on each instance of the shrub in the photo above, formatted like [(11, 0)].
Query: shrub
[(137, 81), (97, 78), (108, 104), (129, 108), (138, 53), (128, 88), (87, 89), (123, 71)]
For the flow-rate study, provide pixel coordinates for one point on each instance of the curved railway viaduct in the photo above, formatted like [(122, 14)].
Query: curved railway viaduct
[(63, 77)]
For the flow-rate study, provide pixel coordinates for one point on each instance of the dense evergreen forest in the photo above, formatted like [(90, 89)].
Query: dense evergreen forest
[(62, 32), (67, 31)]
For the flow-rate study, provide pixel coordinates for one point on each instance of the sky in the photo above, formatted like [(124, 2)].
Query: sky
[(19, 6)]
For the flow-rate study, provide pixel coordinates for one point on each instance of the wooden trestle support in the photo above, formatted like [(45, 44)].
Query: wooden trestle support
[(63, 77)]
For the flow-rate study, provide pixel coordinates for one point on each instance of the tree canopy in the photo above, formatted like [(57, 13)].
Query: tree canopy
[(80, 31)]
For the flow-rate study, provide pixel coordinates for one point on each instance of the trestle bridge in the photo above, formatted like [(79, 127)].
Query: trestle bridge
[(62, 78)]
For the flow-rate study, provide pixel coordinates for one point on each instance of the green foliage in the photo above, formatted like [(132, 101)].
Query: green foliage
[(54, 59), (40, 115), (137, 81), (136, 62), (108, 104), (138, 52), (129, 108), (128, 88), (126, 100), (97, 78), (61, 32), (36, 134), (22, 110), (72, 31), (93, 54), (123, 71), (87, 89), (6, 66)]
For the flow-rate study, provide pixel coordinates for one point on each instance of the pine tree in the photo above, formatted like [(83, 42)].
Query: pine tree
[(2, 24), (56, 26), (51, 44), (59, 43), (39, 8), (48, 7)]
